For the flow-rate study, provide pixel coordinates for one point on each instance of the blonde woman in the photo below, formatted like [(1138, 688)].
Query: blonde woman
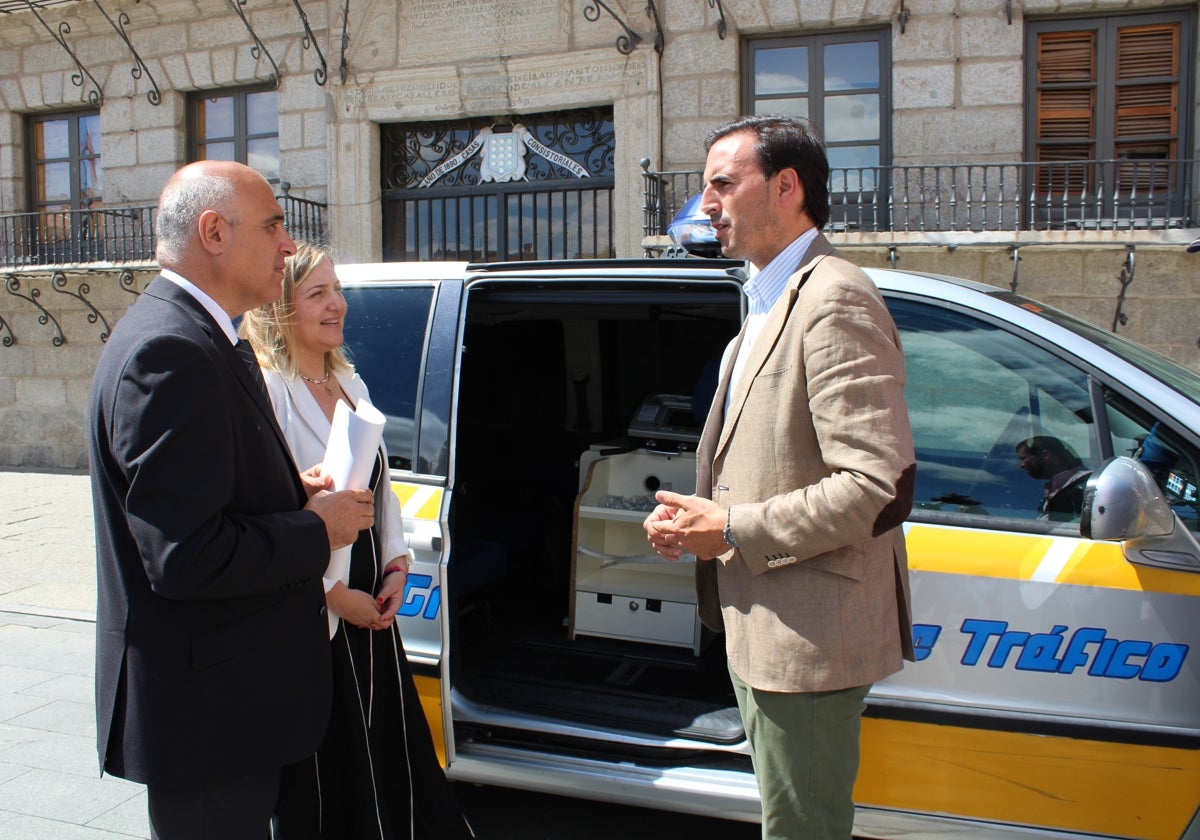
[(376, 775)]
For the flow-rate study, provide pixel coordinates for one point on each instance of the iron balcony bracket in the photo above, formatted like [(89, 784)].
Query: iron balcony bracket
[(310, 40), (627, 42), (13, 285), (94, 96), (259, 49), (139, 67), (722, 28), (58, 281)]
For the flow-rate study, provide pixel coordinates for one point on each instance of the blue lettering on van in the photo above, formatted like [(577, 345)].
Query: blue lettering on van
[(419, 599), (925, 636), (1056, 652)]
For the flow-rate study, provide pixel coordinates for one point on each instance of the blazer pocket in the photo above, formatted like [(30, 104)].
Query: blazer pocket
[(240, 636), (772, 379)]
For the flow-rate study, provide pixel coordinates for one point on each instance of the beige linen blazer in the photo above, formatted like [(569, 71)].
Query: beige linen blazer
[(815, 460)]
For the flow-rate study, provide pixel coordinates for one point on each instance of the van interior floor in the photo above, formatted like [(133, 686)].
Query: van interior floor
[(656, 690)]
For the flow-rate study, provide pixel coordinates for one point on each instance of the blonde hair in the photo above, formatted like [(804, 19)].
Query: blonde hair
[(270, 328)]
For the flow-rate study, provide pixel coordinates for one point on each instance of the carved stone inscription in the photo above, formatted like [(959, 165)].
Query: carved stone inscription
[(521, 89), (469, 28)]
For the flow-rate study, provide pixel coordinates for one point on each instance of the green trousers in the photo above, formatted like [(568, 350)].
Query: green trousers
[(805, 751)]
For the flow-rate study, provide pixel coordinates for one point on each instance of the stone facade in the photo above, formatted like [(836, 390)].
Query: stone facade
[(957, 81)]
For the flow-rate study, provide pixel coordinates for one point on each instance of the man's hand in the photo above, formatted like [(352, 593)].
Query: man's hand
[(686, 523), (345, 513), (314, 482)]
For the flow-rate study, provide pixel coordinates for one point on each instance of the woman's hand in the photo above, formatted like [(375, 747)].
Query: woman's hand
[(356, 607), (391, 592), (314, 480)]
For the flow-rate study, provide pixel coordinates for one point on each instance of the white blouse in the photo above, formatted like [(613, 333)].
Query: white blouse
[(306, 429)]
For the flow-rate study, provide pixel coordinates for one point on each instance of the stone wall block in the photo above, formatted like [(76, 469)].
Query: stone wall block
[(991, 83), (158, 145), (200, 68), (41, 391), (681, 99), (719, 97), (1052, 274), (702, 51), (925, 38), (316, 130), (71, 358), (224, 30), (923, 86), (176, 72), (12, 94), (155, 44), (989, 35), (291, 131), (749, 16), (960, 134), (304, 167), (16, 360)]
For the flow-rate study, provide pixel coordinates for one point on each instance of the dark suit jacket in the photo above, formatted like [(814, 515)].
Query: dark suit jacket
[(212, 657), (815, 458)]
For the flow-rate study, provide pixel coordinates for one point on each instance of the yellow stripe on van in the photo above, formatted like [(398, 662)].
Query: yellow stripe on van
[(429, 689), (996, 554), (418, 501), (1128, 790)]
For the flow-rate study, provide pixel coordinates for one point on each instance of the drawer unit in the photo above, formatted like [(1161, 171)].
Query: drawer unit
[(619, 587)]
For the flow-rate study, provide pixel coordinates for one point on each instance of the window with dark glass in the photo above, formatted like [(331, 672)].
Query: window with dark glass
[(240, 124), (840, 82), (536, 186), (385, 337), (1110, 110), (1001, 427)]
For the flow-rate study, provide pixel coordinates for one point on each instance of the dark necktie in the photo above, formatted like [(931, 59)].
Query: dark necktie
[(247, 354)]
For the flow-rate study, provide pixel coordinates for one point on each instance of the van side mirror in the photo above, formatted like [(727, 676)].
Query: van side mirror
[(1122, 502)]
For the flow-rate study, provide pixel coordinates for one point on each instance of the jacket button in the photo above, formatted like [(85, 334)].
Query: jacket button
[(323, 609)]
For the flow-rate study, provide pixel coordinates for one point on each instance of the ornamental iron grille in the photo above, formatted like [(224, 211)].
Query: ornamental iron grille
[(536, 186)]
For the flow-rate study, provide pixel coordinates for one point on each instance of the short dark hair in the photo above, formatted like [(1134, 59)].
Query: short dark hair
[(1056, 448), (782, 142)]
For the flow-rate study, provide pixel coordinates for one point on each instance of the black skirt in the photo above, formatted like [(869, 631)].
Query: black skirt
[(376, 775)]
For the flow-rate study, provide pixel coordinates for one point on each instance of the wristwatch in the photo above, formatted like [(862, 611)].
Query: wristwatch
[(728, 532)]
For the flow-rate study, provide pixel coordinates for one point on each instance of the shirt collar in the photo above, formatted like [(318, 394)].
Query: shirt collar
[(765, 287), (211, 306)]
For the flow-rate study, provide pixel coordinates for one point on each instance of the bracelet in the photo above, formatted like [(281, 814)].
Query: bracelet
[(394, 568)]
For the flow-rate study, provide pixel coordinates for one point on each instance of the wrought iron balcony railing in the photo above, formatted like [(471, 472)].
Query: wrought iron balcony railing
[(118, 234), (1076, 195)]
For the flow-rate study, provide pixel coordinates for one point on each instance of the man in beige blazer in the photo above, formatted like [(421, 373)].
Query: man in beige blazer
[(805, 474)]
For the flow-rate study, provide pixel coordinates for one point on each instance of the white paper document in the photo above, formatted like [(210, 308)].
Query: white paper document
[(353, 444)]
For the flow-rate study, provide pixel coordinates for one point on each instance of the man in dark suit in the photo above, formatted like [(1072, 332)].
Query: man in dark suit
[(804, 476), (212, 653)]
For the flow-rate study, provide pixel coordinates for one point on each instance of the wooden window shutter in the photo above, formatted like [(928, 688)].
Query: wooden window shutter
[(1066, 107), (1147, 103)]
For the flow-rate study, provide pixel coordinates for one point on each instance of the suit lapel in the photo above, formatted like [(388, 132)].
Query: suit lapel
[(164, 289)]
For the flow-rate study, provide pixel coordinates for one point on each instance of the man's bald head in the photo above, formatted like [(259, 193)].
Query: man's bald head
[(197, 187)]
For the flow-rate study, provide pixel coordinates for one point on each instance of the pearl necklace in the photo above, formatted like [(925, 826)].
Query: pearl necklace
[(320, 382)]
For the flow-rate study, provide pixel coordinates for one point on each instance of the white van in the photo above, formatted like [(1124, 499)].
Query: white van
[(535, 408)]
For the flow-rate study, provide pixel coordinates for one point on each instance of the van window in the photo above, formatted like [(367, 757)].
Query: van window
[(1171, 460), (385, 334), (1002, 428)]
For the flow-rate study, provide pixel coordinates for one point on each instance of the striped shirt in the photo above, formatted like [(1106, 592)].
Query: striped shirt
[(764, 290)]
